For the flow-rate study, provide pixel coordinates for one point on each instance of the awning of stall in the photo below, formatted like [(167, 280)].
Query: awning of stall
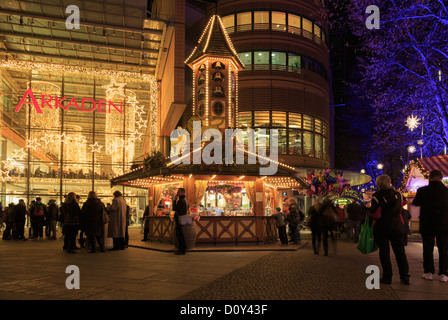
[(158, 169)]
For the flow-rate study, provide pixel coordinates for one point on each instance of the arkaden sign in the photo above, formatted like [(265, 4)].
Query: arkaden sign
[(55, 102)]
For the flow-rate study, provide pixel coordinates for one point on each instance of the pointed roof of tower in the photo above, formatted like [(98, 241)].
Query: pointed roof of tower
[(214, 41)]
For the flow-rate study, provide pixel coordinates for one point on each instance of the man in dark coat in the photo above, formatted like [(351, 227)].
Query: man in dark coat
[(180, 208), (19, 220), (433, 200), (92, 211)]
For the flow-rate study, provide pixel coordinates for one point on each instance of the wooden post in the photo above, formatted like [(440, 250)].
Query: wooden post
[(259, 210)]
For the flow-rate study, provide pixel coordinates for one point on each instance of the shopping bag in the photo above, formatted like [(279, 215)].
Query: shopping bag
[(366, 243)]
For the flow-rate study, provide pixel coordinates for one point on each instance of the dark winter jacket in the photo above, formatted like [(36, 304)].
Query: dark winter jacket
[(391, 221), (92, 211), (72, 213), (180, 207), (53, 211), (356, 212), (433, 200), (20, 213)]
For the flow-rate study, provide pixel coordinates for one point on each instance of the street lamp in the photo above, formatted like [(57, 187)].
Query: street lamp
[(380, 166)]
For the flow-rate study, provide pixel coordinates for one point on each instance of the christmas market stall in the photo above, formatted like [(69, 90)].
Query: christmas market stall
[(229, 203), (416, 175)]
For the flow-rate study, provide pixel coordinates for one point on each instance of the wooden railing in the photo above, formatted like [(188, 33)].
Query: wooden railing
[(216, 230)]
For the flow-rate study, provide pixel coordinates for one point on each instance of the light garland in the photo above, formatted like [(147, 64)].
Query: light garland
[(60, 68)]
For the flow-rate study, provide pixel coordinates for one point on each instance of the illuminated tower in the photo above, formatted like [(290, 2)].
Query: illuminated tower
[(215, 65)]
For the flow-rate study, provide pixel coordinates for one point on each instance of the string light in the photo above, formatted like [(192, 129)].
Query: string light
[(68, 69)]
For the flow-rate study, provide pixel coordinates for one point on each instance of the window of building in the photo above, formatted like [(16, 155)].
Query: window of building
[(307, 27), (261, 119), (244, 21), (245, 119), (294, 62), (279, 21), (261, 57), (218, 108), (245, 57), (278, 119), (295, 120), (317, 125), (317, 31), (295, 142), (282, 141), (261, 20), (318, 146), (294, 25), (229, 23), (308, 144), (307, 63), (278, 57), (307, 122)]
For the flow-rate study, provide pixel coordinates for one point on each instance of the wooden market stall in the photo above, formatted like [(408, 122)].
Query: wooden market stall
[(233, 203), (416, 175)]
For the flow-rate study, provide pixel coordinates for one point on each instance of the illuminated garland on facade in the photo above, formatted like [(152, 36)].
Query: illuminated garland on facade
[(60, 68)]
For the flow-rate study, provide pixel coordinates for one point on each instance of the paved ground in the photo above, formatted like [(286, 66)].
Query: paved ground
[(35, 270)]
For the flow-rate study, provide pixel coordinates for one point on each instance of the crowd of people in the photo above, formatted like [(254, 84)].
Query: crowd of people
[(83, 223), (390, 221)]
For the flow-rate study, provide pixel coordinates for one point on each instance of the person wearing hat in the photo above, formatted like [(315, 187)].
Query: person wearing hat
[(279, 218)]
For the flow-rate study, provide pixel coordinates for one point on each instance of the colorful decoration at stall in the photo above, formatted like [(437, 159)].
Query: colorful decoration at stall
[(349, 194), (413, 163), (323, 182)]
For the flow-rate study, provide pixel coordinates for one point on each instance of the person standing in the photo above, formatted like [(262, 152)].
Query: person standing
[(389, 229), (72, 218), (19, 220), (433, 200), (92, 210), (315, 221), (180, 208), (117, 221), (9, 221), (356, 212), (279, 218), (294, 217), (146, 224), (38, 211), (52, 219)]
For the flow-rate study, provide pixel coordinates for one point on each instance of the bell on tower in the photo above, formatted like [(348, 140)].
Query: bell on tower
[(215, 74)]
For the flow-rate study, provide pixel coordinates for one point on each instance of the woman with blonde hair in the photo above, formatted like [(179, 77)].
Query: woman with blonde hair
[(389, 229)]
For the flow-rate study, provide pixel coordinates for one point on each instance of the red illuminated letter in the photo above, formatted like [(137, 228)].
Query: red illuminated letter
[(33, 101)]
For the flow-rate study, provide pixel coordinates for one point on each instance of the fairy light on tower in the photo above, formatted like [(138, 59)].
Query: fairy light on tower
[(215, 64)]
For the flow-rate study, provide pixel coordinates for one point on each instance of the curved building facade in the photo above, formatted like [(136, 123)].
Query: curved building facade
[(286, 80)]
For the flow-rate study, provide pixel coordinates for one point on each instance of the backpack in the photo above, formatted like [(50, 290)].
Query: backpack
[(38, 211)]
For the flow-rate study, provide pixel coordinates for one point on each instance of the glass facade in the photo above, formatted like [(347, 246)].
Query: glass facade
[(275, 21), (298, 134), (72, 132), (278, 60)]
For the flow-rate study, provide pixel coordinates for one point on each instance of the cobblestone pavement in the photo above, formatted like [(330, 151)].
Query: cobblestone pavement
[(36, 270)]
